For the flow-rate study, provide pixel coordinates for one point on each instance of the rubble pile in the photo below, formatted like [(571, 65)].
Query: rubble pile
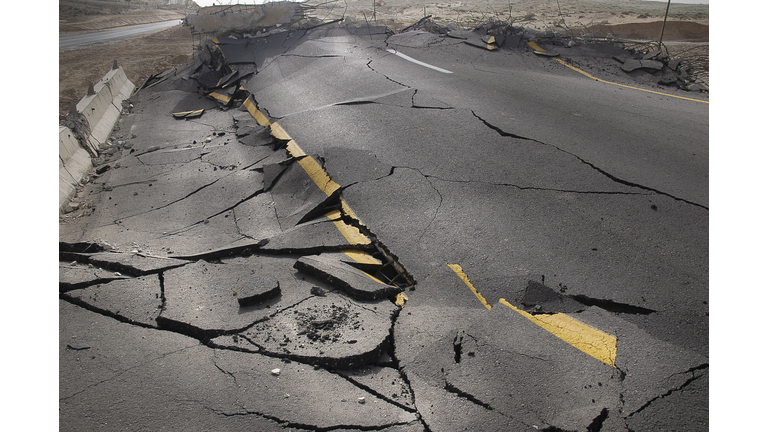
[(671, 72)]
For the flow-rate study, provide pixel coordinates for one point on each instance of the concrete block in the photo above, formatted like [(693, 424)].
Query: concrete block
[(103, 108), (74, 162)]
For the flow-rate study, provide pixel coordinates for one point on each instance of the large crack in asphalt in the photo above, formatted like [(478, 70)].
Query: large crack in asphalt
[(206, 337), (694, 376), (590, 164)]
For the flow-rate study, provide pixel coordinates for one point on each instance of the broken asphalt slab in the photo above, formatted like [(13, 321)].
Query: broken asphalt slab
[(167, 373), (201, 299), (261, 288), (331, 331), (74, 275), (312, 323), (136, 300), (355, 283)]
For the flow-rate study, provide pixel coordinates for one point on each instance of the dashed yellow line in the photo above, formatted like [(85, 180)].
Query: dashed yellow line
[(460, 272), (540, 50), (586, 339)]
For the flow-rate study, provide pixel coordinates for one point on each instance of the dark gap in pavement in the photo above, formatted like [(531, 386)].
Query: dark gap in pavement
[(388, 78), (391, 271), (597, 423), (161, 278), (80, 247), (358, 102), (76, 301), (693, 377), (67, 287), (457, 348), (611, 305), (468, 396), (591, 165), (376, 393)]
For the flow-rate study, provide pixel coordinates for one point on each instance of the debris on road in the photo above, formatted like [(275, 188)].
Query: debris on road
[(262, 265)]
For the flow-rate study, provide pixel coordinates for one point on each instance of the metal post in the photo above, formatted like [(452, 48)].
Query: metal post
[(665, 23)]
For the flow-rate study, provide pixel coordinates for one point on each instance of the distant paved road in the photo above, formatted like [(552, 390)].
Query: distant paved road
[(85, 39)]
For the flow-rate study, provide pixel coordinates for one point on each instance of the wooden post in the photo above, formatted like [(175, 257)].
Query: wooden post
[(665, 23)]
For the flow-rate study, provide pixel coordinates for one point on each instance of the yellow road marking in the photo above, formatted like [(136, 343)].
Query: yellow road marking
[(564, 63), (460, 272), (535, 47), (362, 257), (586, 339), (187, 113), (351, 233), (310, 165), (221, 97), (400, 299), (250, 105), (280, 133)]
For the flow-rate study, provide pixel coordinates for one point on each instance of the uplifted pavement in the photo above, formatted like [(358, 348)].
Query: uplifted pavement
[(215, 272), (220, 280)]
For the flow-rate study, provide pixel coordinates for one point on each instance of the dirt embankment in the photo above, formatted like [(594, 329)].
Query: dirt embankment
[(88, 23), (139, 57)]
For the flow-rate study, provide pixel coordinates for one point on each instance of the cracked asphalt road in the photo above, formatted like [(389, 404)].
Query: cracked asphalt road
[(566, 204)]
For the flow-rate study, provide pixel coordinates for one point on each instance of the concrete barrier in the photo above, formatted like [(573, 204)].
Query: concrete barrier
[(74, 162), (101, 108)]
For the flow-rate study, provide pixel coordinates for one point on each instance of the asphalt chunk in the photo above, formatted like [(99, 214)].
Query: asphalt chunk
[(355, 283)]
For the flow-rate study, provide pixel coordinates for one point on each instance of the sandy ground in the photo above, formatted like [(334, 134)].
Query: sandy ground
[(534, 14), (88, 23), (157, 52), (139, 58)]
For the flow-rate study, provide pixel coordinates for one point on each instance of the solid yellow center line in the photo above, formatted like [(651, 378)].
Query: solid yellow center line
[(362, 257), (460, 272), (564, 63), (586, 339), (310, 165), (250, 105), (351, 233)]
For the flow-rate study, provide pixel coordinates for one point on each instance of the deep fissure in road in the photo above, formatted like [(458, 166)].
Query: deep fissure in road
[(315, 326)]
